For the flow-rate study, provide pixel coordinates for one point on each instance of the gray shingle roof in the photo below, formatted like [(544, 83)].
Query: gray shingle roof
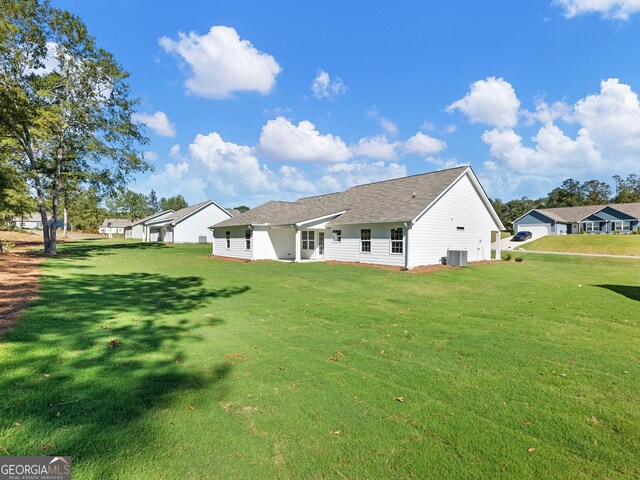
[(397, 200), (175, 217), (154, 215), (575, 214), (116, 222)]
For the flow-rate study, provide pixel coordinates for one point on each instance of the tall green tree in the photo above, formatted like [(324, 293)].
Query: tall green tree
[(595, 192), (64, 106), (152, 202), (85, 212), (173, 203), (627, 189), (569, 194), (129, 205)]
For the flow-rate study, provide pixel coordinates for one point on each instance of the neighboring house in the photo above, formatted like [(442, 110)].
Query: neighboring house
[(404, 222), (136, 229), (113, 225), (620, 217), (187, 225), (33, 221)]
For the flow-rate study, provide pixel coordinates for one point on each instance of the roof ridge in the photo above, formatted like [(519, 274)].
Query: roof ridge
[(407, 176)]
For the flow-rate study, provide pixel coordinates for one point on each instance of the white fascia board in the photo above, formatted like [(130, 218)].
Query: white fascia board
[(312, 220)]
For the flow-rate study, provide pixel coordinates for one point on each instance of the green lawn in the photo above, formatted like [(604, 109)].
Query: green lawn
[(602, 244), (276, 370)]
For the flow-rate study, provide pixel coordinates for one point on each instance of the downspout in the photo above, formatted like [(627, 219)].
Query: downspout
[(408, 226)]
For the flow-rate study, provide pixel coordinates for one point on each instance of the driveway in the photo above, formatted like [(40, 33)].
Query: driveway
[(507, 245)]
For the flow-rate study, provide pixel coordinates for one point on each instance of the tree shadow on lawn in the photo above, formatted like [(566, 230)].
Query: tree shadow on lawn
[(95, 356), (629, 291), (89, 247)]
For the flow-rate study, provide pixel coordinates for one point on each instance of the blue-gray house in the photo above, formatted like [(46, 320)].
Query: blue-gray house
[(620, 217)]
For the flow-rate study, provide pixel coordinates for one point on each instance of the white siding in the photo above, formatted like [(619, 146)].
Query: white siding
[(348, 250), (189, 229), (137, 232), (437, 230), (237, 249), (283, 241)]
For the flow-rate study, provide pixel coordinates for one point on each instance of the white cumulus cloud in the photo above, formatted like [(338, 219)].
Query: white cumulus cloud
[(176, 179), (615, 9), (222, 63), (282, 140), (377, 147), (492, 101), (158, 123), (348, 174), (323, 88), (231, 165), (424, 144)]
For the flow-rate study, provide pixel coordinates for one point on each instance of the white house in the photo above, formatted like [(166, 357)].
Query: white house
[(113, 225), (187, 225), (33, 221), (136, 229), (405, 222)]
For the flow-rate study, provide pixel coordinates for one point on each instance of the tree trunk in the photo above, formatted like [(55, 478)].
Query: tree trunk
[(42, 206), (55, 197), (64, 209)]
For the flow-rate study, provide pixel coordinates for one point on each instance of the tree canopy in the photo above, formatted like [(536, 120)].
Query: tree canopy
[(173, 203), (65, 110)]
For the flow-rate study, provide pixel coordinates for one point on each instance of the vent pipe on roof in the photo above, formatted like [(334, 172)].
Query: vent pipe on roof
[(414, 195)]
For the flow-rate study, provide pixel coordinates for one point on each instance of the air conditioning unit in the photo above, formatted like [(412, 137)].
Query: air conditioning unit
[(457, 258), (202, 239)]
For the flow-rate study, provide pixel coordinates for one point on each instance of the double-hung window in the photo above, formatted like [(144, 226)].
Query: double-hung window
[(227, 238), (396, 240), (308, 240), (365, 240), (337, 235), (591, 226), (247, 239), (621, 226)]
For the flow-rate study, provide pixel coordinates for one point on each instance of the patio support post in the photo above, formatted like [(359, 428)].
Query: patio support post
[(498, 242), (298, 245)]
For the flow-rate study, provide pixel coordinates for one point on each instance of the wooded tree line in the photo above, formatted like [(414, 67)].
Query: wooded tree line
[(572, 193)]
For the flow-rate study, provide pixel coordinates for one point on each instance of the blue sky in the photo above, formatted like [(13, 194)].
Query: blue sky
[(251, 101)]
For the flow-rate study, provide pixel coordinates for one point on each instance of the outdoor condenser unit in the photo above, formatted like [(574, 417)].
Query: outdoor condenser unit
[(457, 258)]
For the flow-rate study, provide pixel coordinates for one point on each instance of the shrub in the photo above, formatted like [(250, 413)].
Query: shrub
[(519, 259), (507, 257)]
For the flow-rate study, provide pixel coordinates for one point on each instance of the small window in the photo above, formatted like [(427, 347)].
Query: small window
[(308, 240), (247, 239), (337, 235), (365, 240), (227, 238), (396, 240)]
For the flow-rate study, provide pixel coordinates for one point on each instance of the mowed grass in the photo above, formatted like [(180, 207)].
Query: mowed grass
[(600, 244), (275, 370)]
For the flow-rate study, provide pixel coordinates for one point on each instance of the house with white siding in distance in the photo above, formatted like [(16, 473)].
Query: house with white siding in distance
[(112, 226), (187, 225), (404, 222), (136, 229)]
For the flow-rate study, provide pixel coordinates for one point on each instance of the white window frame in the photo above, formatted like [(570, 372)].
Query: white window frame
[(337, 236), (365, 240), (247, 239), (396, 242), (622, 224), (308, 240), (591, 227), (227, 239)]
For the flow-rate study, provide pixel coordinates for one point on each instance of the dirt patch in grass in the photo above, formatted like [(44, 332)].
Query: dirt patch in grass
[(19, 273), (227, 259)]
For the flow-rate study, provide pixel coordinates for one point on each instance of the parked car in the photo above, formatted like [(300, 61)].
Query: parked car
[(522, 236)]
